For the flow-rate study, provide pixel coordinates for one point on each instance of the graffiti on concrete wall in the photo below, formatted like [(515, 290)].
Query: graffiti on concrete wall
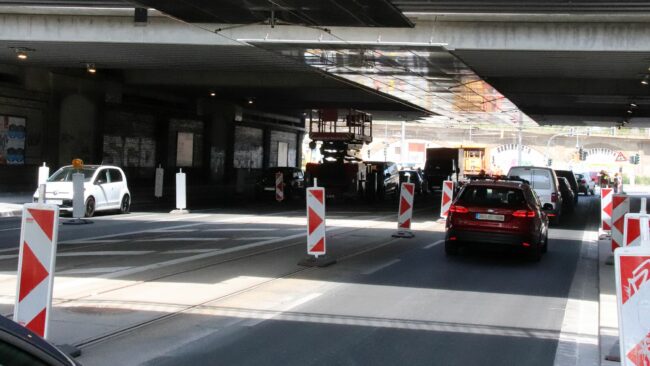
[(12, 140), (248, 149), (138, 152)]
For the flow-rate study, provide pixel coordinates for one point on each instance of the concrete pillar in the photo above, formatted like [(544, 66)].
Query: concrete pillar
[(219, 141), (77, 129)]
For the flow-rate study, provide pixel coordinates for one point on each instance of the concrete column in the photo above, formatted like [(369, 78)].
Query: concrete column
[(77, 128), (219, 139)]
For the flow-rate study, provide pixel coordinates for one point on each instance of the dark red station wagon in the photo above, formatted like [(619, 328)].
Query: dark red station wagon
[(497, 212)]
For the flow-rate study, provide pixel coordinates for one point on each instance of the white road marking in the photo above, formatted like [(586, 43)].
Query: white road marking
[(10, 256), (380, 267), (102, 241), (429, 246), (11, 228), (8, 250), (171, 230), (579, 333), (287, 307), (240, 229), (92, 270), (180, 239), (104, 253), (189, 251), (257, 238)]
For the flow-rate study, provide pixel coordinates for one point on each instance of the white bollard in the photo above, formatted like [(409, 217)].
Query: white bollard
[(36, 263), (41, 192), (78, 204), (43, 174), (181, 193), (158, 183)]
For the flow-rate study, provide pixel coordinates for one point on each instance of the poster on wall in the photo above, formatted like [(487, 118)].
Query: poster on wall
[(283, 154), (12, 140), (184, 149)]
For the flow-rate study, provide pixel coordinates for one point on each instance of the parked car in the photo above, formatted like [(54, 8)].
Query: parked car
[(294, 183), (544, 182), (416, 177), (586, 184), (568, 203), (386, 183), (105, 188), (21, 346), (506, 213), (571, 179)]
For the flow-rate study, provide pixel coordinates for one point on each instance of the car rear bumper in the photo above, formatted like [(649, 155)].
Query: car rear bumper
[(482, 237)]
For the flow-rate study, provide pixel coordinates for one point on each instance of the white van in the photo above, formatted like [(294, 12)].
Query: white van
[(544, 182)]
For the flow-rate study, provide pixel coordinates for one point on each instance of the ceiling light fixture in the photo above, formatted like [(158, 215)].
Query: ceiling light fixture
[(629, 111), (645, 80), (633, 105), (22, 52), (250, 100), (91, 68), (213, 94)]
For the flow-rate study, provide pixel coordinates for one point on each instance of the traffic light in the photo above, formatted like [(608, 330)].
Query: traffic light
[(582, 154), (550, 162), (635, 159)]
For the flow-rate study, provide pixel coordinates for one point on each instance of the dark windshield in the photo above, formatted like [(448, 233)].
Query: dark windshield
[(65, 174), (492, 196)]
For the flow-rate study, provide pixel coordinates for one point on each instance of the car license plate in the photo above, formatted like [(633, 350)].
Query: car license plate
[(489, 217), (269, 188), (54, 202)]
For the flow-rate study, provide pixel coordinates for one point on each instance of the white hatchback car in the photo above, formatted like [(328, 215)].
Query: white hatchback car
[(105, 188)]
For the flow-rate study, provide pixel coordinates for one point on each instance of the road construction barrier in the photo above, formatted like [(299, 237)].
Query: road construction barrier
[(316, 244), (620, 207), (181, 192), (279, 186), (606, 209), (36, 261), (632, 268), (405, 211), (78, 202), (447, 198), (158, 182)]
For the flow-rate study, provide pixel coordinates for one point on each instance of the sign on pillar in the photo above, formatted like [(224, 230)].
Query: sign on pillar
[(158, 183), (447, 198), (36, 261), (632, 268), (181, 193), (606, 209), (279, 186), (405, 211), (620, 207)]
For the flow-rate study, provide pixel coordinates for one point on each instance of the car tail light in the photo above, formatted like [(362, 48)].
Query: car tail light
[(527, 245), (523, 213), (458, 209), (452, 238), (554, 197)]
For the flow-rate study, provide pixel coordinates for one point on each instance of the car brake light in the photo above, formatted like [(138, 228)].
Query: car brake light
[(527, 245), (523, 213), (550, 215), (452, 238), (458, 209), (554, 197)]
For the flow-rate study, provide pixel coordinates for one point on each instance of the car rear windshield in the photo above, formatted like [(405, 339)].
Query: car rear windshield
[(492, 196), (538, 178), (65, 174)]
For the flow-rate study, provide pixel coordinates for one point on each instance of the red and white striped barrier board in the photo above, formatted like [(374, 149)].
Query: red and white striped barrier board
[(38, 239), (279, 186), (632, 268), (316, 221), (447, 197), (632, 233), (620, 207), (405, 211), (606, 208)]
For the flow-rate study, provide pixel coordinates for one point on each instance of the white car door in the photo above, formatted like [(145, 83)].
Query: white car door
[(101, 189), (116, 187)]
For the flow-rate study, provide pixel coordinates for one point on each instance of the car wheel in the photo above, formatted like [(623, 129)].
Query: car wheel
[(592, 192), (90, 207), (451, 248), (545, 244), (125, 206)]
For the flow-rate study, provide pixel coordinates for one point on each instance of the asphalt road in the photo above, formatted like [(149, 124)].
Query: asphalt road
[(224, 288)]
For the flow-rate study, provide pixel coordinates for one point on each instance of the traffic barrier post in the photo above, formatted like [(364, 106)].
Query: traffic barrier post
[(36, 263), (405, 211), (606, 210), (633, 228), (43, 174), (447, 198), (620, 207), (279, 186), (158, 182), (316, 229), (181, 194), (632, 272)]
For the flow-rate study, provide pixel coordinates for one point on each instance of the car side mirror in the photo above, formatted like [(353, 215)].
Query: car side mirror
[(547, 207), (387, 175)]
